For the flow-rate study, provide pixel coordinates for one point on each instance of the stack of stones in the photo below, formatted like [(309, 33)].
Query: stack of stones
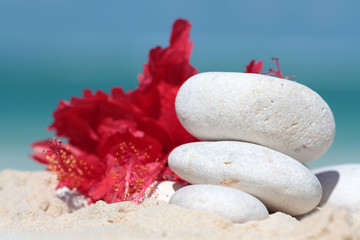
[(257, 133)]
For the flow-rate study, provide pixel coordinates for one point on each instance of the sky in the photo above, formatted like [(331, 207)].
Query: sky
[(52, 50)]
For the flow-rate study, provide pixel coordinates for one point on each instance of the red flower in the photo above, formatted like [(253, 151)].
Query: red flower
[(119, 143), (253, 67)]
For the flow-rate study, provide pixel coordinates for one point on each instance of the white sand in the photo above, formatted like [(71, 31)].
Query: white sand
[(30, 209)]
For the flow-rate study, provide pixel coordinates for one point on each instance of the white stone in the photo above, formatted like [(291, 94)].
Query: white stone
[(230, 203), (280, 182), (165, 189), (277, 113), (341, 185)]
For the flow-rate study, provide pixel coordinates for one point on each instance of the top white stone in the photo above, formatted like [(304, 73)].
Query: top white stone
[(277, 113)]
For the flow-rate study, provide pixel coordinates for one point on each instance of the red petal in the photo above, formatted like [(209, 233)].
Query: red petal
[(79, 119), (253, 67), (166, 71), (113, 133)]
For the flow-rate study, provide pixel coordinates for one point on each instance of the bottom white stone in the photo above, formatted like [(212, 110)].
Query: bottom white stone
[(230, 203)]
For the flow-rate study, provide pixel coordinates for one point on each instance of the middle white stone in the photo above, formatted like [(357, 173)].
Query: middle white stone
[(280, 182)]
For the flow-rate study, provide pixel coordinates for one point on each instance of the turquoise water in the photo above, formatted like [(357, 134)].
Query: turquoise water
[(27, 111), (54, 50)]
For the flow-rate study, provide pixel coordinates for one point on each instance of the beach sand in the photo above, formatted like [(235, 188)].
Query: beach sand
[(30, 209)]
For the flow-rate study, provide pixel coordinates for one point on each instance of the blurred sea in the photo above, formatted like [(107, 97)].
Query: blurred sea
[(27, 110)]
